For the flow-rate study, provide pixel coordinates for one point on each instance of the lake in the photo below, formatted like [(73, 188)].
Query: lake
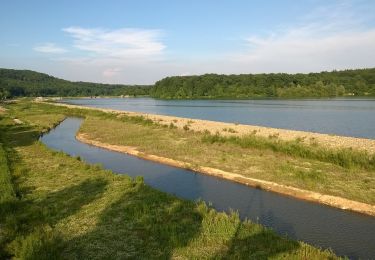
[(347, 117), (347, 233)]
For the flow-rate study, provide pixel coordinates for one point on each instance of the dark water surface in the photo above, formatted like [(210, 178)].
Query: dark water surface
[(348, 117), (345, 232)]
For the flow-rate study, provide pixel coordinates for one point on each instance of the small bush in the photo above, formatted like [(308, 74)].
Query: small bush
[(206, 132), (139, 180)]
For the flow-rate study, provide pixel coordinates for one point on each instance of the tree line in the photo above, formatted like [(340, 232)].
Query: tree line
[(16, 83), (359, 82)]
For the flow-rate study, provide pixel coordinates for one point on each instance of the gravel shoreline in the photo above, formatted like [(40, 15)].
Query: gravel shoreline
[(231, 129)]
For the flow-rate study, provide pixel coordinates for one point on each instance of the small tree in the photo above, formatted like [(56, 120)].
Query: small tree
[(4, 94)]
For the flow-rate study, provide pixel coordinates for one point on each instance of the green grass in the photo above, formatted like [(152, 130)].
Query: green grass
[(7, 192), (339, 172), (64, 208), (347, 158), (248, 160)]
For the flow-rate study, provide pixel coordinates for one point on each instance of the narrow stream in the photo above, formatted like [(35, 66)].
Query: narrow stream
[(346, 233)]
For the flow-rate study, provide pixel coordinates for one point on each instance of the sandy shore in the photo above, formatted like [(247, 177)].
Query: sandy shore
[(227, 129), (332, 201)]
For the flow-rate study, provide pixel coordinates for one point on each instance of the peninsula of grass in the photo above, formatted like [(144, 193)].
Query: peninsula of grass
[(339, 172), (54, 206)]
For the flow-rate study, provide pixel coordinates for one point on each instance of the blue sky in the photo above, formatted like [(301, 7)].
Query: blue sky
[(139, 42)]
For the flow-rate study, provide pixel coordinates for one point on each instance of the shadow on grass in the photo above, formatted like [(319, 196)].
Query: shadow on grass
[(27, 219), (14, 136), (256, 242), (261, 245), (142, 224), (61, 204), (147, 224), (18, 135)]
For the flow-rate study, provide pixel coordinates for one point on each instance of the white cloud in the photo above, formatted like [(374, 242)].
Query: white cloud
[(120, 43), (335, 37), (326, 40), (115, 56), (49, 47), (298, 51)]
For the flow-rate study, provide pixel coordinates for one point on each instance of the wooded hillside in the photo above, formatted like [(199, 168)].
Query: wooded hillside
[(15, 83), (360, 82)]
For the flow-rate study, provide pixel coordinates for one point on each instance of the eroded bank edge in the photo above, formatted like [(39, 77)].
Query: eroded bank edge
[(311, 196)]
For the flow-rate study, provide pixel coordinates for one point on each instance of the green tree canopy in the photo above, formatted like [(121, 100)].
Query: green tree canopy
[(15, 83), (360, 82)]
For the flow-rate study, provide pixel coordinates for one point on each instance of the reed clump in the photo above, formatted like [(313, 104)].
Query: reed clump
[(344, 157)]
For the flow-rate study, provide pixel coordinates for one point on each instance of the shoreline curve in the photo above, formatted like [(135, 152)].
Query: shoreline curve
[(329, 200)]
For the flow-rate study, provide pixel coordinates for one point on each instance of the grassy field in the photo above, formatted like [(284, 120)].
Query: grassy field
[(58, 207), (343, 173)]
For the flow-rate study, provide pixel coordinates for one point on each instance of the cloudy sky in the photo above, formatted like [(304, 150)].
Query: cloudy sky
[(140, 42)]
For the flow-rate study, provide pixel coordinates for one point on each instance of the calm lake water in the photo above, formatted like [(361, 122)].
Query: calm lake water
[(345, 232), (348, 117)]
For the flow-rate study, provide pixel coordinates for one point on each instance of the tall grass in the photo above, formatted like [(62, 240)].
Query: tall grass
[(7, 190), (345, 157), (41, 244), (8, 201)]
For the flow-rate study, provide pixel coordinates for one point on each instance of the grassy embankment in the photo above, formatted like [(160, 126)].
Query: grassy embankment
[(56, 206), (340, 172)]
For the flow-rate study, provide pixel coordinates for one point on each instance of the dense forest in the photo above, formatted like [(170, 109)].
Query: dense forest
[(360, 82), (15, 83)]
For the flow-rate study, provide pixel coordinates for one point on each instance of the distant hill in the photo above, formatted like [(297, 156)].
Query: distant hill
[(359, 82), (15, 83)]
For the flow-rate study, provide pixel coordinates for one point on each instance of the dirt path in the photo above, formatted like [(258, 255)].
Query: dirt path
[(329, 200), (227, 129)]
